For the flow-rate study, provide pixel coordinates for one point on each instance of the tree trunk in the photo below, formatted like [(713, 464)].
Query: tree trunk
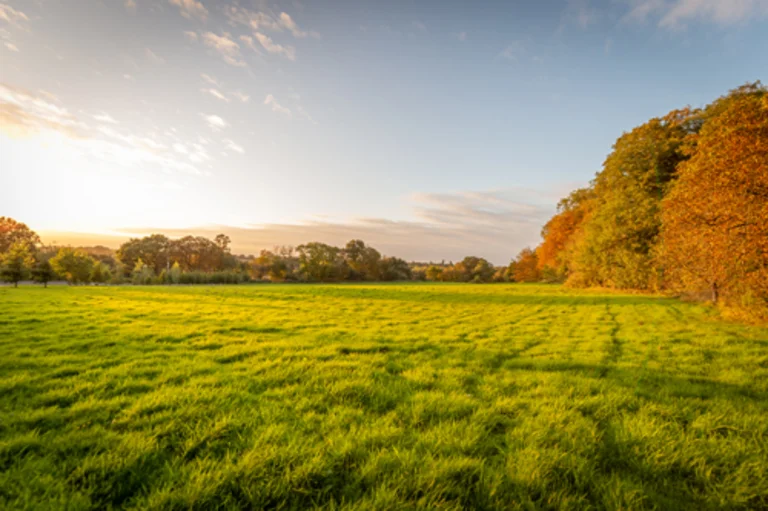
[(16, 284), (715, 293), (45, 284)]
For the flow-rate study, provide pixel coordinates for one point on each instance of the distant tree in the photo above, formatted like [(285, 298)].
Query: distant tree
[(363, 261), (12, 232), (715, 235), (174, 274), (43, 273), (196, 253), (526, 267), (153, 250), (142, 274), (73, 265), (394, 268), (100, 273), (321, 263), (222, 241), (16, 262), (434, 273)]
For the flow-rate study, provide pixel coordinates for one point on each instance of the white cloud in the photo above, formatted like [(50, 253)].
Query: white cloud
[(232, 146), (215, 122), (288, 52), (287, 22), (180, 148), (11, 46), (249, 42), (190, 35), (25, 114), (191, 9), (674, 14), (245, 98), (210, 79), (276, 107), (216, 94), (11, 15), (266, 20), (130, 5), (580, 12), (106, 118), (153, 57), (224, 46)]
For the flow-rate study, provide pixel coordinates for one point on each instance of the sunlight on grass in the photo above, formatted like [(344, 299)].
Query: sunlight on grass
[(377, 397)]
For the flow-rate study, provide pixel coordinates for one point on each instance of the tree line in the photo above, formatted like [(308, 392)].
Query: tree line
[(157, 259), (680, 205)]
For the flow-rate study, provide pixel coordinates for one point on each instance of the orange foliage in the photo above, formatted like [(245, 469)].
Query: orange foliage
[(715, 220)]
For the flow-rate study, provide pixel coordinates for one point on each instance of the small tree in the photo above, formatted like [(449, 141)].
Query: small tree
[(174, 274), (43, 272), (100, 273), (142, 274), (15, 264), (73, 265)]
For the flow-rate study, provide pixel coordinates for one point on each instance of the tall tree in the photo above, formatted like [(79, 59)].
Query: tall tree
[(153, 250), (715, 233), (561, 232), (526, 267), (322, 263), (620, 236), (16, 262)]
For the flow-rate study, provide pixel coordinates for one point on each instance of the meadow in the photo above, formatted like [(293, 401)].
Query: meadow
[(381, 396)]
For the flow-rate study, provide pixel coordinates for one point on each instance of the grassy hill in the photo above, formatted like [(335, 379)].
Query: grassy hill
[(406, 396)]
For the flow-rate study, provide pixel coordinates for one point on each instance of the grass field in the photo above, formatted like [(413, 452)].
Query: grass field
[(409, 396)]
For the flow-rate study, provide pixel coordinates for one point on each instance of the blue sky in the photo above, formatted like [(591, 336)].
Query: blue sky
[(432, 130)]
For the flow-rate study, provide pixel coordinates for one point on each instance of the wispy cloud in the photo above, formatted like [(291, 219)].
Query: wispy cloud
[(216, 94), (26, 114), (268, 44), (244, 98), (105, 118), (153, 57), (224, 46), (11, 46), (191, 9), (130, 5), (215, 122), (10, 15), (265, 19), (287, 22), (276, 107), (675, 14), (190, 35), (232, 146), (580, 13)]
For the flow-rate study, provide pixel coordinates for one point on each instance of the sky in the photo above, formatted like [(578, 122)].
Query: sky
[(430, 129)]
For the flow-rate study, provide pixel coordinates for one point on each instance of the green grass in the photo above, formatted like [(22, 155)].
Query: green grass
[(407, 396)]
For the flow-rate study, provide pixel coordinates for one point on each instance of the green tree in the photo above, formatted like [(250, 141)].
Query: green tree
[(16, 262), (618, 246), (363, 261), (319, 262), (394, 268), (74, 265), (142, 274), (100, 273), (43, 272), (153, 250)]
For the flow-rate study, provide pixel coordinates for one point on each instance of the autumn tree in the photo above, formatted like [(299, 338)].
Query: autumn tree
[(715, 233), (16, 262), (12, 232), (526, 266), (363, 261), (618, 246), (74, 265), (560, 234)]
